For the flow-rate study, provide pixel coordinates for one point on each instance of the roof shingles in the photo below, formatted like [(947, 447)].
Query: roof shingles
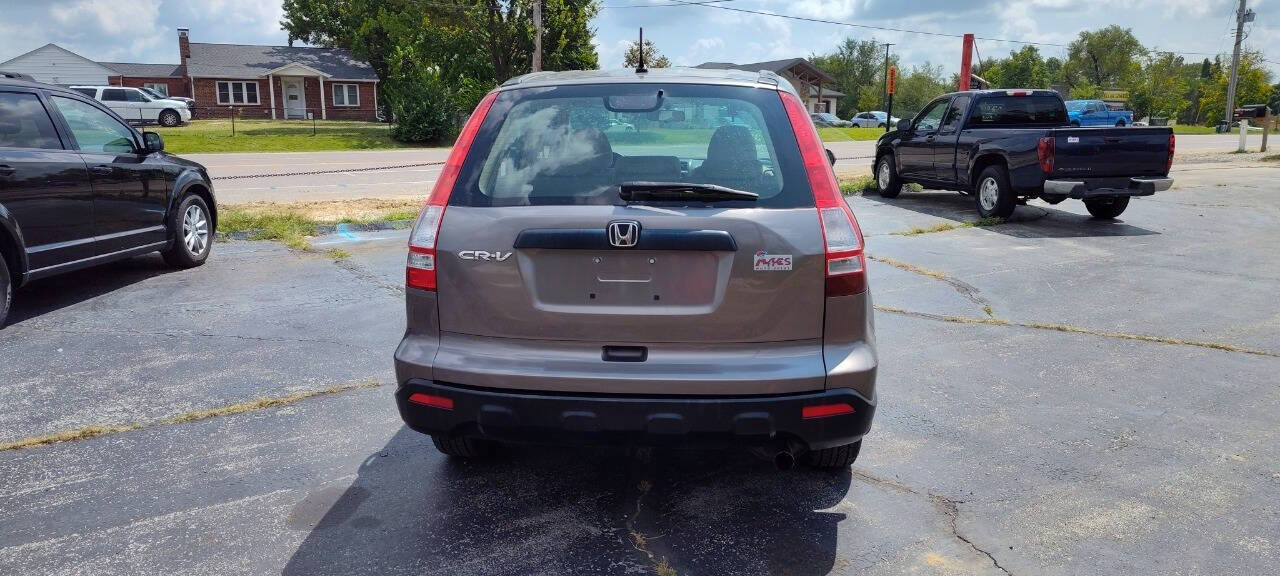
[(249, 61)]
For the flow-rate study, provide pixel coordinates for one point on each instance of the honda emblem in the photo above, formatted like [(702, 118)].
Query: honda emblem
[(624, 233)]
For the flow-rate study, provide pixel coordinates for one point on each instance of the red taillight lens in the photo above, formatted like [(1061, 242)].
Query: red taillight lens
[(420, 267), (433, 401), (845, 269), (1169, 165), (1044, 153), (825, 411)]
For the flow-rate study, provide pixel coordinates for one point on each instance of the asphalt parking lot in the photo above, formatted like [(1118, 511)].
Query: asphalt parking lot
[(1058, 395)]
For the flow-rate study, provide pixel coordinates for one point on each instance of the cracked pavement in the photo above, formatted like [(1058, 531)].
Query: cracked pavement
[(997, 449)]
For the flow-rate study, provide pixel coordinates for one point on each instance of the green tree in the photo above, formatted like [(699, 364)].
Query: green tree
[(1252, 87), (1107, 58), (1024, 68), (1085, 91), (917, 87), (652, 57), (858, 67), (444, 55), (1274, 102), (1161, 88)]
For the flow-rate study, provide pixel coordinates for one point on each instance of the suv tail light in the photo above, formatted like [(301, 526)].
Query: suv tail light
[(846, 268), (1044, 153), (1169, 164), (420, 267)]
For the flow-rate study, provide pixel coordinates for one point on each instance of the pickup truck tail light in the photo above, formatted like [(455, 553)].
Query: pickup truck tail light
[(1044, 153), (1169, 164), (420, 266), (846, 269)]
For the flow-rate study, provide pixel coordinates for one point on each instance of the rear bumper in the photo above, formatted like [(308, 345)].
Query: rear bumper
[(553, 418), (1110, 187)]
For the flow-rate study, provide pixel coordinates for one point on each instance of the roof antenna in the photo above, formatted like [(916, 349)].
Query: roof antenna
[(641, 69)]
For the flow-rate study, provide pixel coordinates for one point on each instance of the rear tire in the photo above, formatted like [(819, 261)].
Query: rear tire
[(462, 447), (6, 290), (1120, 124), (887, 182), (880, 125), (1108, 207), (191, 228), (169, 119), (833, 458), (994, 196)]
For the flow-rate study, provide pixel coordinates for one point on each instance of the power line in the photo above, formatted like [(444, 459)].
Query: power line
[(716, 4)]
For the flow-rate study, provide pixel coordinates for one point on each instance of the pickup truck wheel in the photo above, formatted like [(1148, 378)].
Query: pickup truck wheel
[(887, 182), (1119, 123), (994, 196), (462, 447), (833, 458), (192, 233), (169, 118), (6, 290), (1107, 207)]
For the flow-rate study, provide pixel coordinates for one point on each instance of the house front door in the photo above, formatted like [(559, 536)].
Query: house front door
[(295, 100)]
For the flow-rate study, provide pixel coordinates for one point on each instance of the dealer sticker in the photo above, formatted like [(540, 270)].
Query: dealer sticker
[(765, 261)]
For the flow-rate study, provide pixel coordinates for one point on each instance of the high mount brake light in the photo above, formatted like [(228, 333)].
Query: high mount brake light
[(845, 264), (420, 267)]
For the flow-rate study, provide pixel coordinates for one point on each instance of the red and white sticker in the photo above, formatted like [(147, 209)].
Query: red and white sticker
[(765, 261)]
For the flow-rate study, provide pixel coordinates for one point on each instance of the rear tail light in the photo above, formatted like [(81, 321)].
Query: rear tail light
[(420, 267), (431, 400), (825, 411), (1044, 152), (1169, 164), (846, 269)]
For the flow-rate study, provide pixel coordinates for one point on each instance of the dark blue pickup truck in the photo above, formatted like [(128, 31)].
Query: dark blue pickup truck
[(1004, 147)]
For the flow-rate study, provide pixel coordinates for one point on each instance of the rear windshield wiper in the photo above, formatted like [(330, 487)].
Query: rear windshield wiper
[(640, 191)]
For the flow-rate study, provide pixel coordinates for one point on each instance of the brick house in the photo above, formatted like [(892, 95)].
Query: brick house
[(277, 82)]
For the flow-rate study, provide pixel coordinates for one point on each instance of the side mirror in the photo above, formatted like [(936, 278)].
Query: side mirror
[(904, 125), (153, 142), (831, 156)]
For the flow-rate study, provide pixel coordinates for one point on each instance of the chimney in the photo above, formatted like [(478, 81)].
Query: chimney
[(184, 46)]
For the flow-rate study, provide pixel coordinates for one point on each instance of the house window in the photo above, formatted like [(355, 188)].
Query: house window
[(161, 89), (237, 92), (346, 94)]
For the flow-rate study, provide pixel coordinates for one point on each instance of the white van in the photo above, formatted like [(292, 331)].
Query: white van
[(135, 105)]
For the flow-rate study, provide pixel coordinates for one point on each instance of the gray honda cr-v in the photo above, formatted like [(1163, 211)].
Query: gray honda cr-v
[(639, 258)]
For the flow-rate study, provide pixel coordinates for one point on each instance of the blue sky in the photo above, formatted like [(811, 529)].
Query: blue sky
[(143, 30)]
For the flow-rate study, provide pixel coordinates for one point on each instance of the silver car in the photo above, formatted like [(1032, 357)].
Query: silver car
[(689, 283), (874, 119)]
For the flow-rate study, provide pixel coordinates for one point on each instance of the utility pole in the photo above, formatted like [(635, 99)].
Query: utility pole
[(885, 96), (537, 35), (1242, 15)]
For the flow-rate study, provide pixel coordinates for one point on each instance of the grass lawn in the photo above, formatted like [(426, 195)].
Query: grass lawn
[(276, 136), (292, 223), (847, 134)]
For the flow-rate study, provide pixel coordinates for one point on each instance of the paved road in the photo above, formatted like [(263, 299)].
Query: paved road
[(1045, 451), (415, 181)]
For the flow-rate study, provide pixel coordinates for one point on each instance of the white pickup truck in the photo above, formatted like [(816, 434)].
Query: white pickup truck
[(135, 105)]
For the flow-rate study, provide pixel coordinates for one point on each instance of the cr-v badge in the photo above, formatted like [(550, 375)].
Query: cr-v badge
[(484, 255)]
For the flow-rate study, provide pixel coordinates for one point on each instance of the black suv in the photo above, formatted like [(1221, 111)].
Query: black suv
[(80, 187)]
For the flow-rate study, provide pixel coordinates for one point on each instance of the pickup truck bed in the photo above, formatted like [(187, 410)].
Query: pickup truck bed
[(1006, 146)]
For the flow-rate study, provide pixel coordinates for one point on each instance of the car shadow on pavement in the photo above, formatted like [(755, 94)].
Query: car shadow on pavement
[(1036, 220), (58, 292), (544, 510)]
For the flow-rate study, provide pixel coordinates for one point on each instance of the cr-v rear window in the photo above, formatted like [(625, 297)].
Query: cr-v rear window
[(577, 144)]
